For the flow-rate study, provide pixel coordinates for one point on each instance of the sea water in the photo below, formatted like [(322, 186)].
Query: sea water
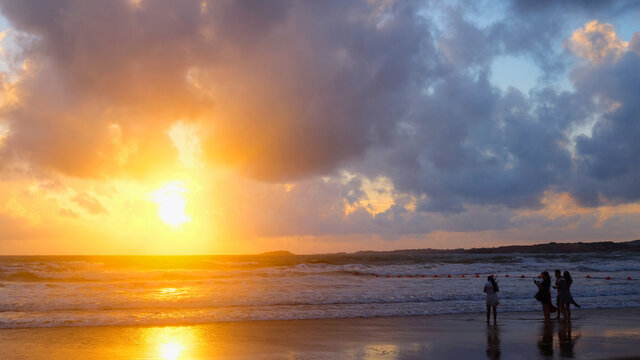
[(46, 291)]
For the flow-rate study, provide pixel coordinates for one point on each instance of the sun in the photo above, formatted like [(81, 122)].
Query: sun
[(172, 203)]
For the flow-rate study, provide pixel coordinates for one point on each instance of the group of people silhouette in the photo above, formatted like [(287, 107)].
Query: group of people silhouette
[(564, 299)]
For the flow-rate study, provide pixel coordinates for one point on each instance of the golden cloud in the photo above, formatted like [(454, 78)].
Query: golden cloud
[(596, 42)]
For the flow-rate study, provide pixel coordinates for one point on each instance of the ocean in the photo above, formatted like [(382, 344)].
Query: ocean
[(51, 291)]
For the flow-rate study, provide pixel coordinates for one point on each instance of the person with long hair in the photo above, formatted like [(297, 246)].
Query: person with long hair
[(491, 299), (544, 294), (568, 298)]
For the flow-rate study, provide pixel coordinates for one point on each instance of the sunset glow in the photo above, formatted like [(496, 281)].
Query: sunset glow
[(171, 201), (382, 125)]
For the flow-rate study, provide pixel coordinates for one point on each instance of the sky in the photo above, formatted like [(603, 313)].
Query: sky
[(236, 127)]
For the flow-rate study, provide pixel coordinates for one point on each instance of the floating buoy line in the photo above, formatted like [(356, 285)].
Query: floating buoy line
[(463, 276)]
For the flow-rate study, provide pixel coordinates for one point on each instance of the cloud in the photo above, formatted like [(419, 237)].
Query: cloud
[(3, 34), (596, 42), (68, 213), (89, 203), (320, 90), (634, 44), (399, 94), (471, 143), (606, 166), (293, 92)]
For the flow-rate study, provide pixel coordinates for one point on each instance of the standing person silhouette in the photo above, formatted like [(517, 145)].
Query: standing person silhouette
[(561, 287), (491, 299), (569, 280), (544, 294), (565, 292)]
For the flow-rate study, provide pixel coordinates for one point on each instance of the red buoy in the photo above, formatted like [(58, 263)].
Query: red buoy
[(506, 275), (477, 275), (628, 277), (608, 277), (461, 275), (588, 277), (377, 276), (449, 276), (435, 276), (521, 276), (399, 276), (388, 276)]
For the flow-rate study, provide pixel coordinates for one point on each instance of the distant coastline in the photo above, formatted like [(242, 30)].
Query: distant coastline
[(546, 248), (551, 247)]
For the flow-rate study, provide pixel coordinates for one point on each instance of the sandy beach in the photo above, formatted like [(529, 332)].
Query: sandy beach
[(593, 334)]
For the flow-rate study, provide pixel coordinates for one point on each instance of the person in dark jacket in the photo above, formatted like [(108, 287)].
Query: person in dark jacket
[(544, 294)]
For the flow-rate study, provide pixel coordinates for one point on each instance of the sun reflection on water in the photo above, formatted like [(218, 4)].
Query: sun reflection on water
[(170, 294), (169, 290)]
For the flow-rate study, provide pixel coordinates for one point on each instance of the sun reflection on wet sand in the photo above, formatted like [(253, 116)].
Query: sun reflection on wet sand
[(381, 351), (171, 343), (170, 351)]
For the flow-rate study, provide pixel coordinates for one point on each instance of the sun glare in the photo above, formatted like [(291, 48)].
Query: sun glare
[(172, 203), (171, 343), (170, 351)]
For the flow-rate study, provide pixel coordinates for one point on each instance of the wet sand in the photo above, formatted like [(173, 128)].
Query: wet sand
[(593, 334)]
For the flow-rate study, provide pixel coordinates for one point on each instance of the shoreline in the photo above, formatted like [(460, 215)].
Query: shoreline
[(593, 334), (214, 322)]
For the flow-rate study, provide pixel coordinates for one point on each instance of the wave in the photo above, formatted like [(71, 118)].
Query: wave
[(110, 276), (85, 291), (384, 296), (609, 268), (199, 316)]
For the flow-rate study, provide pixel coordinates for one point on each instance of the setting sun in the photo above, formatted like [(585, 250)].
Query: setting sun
[(172, 203)]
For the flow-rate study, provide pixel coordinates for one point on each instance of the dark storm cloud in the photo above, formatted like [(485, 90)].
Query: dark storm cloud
[(331, 82), (607, 166), (634, 44), (470, 143), (288, 90), (474, 144), (592, 7)]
